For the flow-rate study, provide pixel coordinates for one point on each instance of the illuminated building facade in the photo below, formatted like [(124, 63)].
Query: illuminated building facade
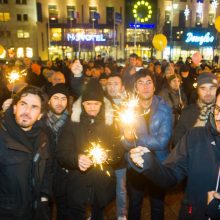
[(189, 27), (18, 29), (80, 28)]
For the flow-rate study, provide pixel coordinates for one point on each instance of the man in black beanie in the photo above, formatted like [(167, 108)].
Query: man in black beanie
[(55, 119), (92, 122)]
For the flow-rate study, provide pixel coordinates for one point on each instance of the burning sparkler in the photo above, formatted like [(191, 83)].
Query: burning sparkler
[(98, 155), (14, 76)]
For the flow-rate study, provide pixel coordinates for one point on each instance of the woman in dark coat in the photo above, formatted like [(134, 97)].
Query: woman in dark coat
[(92, 121)]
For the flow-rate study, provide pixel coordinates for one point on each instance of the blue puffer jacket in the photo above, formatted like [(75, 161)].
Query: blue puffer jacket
[(155, 134)]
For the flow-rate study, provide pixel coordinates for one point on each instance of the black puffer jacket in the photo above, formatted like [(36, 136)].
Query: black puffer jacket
[(25, 170), (75, 139)]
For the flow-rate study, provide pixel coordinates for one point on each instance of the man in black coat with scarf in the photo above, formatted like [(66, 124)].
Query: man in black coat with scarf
[(197, 157), (25, 167), (92, 122)]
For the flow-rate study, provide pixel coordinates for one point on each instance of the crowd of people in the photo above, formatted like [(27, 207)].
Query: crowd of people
[(52, 114)]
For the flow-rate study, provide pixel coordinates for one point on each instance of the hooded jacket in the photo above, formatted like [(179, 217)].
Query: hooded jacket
[(75, 139)]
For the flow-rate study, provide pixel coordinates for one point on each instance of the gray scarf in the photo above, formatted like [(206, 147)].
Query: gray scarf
[(56, 123)]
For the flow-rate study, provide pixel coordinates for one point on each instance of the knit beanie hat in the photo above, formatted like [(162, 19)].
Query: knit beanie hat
[(173, 76), (207, 78), (93, 91), (58, 88)]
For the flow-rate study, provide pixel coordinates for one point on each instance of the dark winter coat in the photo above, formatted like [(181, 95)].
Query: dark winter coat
[(25, 170), (186, 121), (197, 156), (75, 139)]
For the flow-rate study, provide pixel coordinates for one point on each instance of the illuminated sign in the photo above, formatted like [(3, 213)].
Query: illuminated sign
[(207, 38), (142, 11), (142, 26), (85, 37)]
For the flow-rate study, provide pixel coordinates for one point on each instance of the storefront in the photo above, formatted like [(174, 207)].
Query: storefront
[(192, 40), (81, 43)]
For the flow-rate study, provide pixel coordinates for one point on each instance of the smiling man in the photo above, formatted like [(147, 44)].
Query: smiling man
[(153, 131), (24, 155)]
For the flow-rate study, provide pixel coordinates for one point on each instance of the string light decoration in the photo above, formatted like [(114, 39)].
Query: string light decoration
[(142, 11), (186, 12)]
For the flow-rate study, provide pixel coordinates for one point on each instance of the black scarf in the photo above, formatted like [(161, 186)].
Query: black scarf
[(27, 138)]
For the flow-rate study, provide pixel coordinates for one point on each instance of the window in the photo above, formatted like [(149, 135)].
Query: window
[(19, 17), (182, 19), (4, 16), (21, 2), (198, 19), (23, 34), (110, 15), (3, 1), (25, 17), (71, 13), (211, 19), (92, 10), (53, 13), (167, 17)]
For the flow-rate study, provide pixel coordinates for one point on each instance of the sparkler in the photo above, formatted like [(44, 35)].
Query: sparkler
[(14, 76), (127, 113), (98, 155)]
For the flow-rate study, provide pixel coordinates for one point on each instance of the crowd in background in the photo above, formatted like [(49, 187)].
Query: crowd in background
[(181, 94)]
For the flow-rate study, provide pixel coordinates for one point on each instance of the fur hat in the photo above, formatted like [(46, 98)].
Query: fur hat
[(58, 88), (93, 91), (207, 78)]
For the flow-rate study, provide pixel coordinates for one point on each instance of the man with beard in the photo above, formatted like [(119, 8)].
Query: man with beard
[(25, 168), (197, 158), (196, 115), (152, 129), (56, 118)]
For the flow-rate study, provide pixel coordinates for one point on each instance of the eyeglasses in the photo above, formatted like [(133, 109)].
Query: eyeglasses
[(216, 110)]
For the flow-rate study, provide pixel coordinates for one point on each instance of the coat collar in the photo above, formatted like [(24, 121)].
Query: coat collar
[(77, 110)]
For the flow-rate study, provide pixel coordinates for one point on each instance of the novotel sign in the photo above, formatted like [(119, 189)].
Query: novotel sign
[(200, 39), (85, 37)]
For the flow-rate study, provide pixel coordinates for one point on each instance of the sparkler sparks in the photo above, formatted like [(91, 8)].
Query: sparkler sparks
[(98, 155), (14, 76)]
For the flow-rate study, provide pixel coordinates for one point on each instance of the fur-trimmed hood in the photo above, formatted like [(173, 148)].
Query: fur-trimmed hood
[(77, 110)]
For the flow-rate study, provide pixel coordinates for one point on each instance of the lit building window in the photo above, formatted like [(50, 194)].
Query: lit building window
[(20, 52), (56, 34), (71, 12), (29, 52), (53, 13), (167, 17), (23, 34), (211, 19), (4, 16), (92, 10)]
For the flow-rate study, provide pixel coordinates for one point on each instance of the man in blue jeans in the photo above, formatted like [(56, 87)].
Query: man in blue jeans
[(152, 129), (115, 92)]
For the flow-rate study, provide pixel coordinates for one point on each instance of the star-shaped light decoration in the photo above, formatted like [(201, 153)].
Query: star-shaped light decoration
[(186, 12), (214, 4)]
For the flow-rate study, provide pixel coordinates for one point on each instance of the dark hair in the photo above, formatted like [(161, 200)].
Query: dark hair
[(115, 75), (134, 55), (217, 92), (143, 73), (31, 90)]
